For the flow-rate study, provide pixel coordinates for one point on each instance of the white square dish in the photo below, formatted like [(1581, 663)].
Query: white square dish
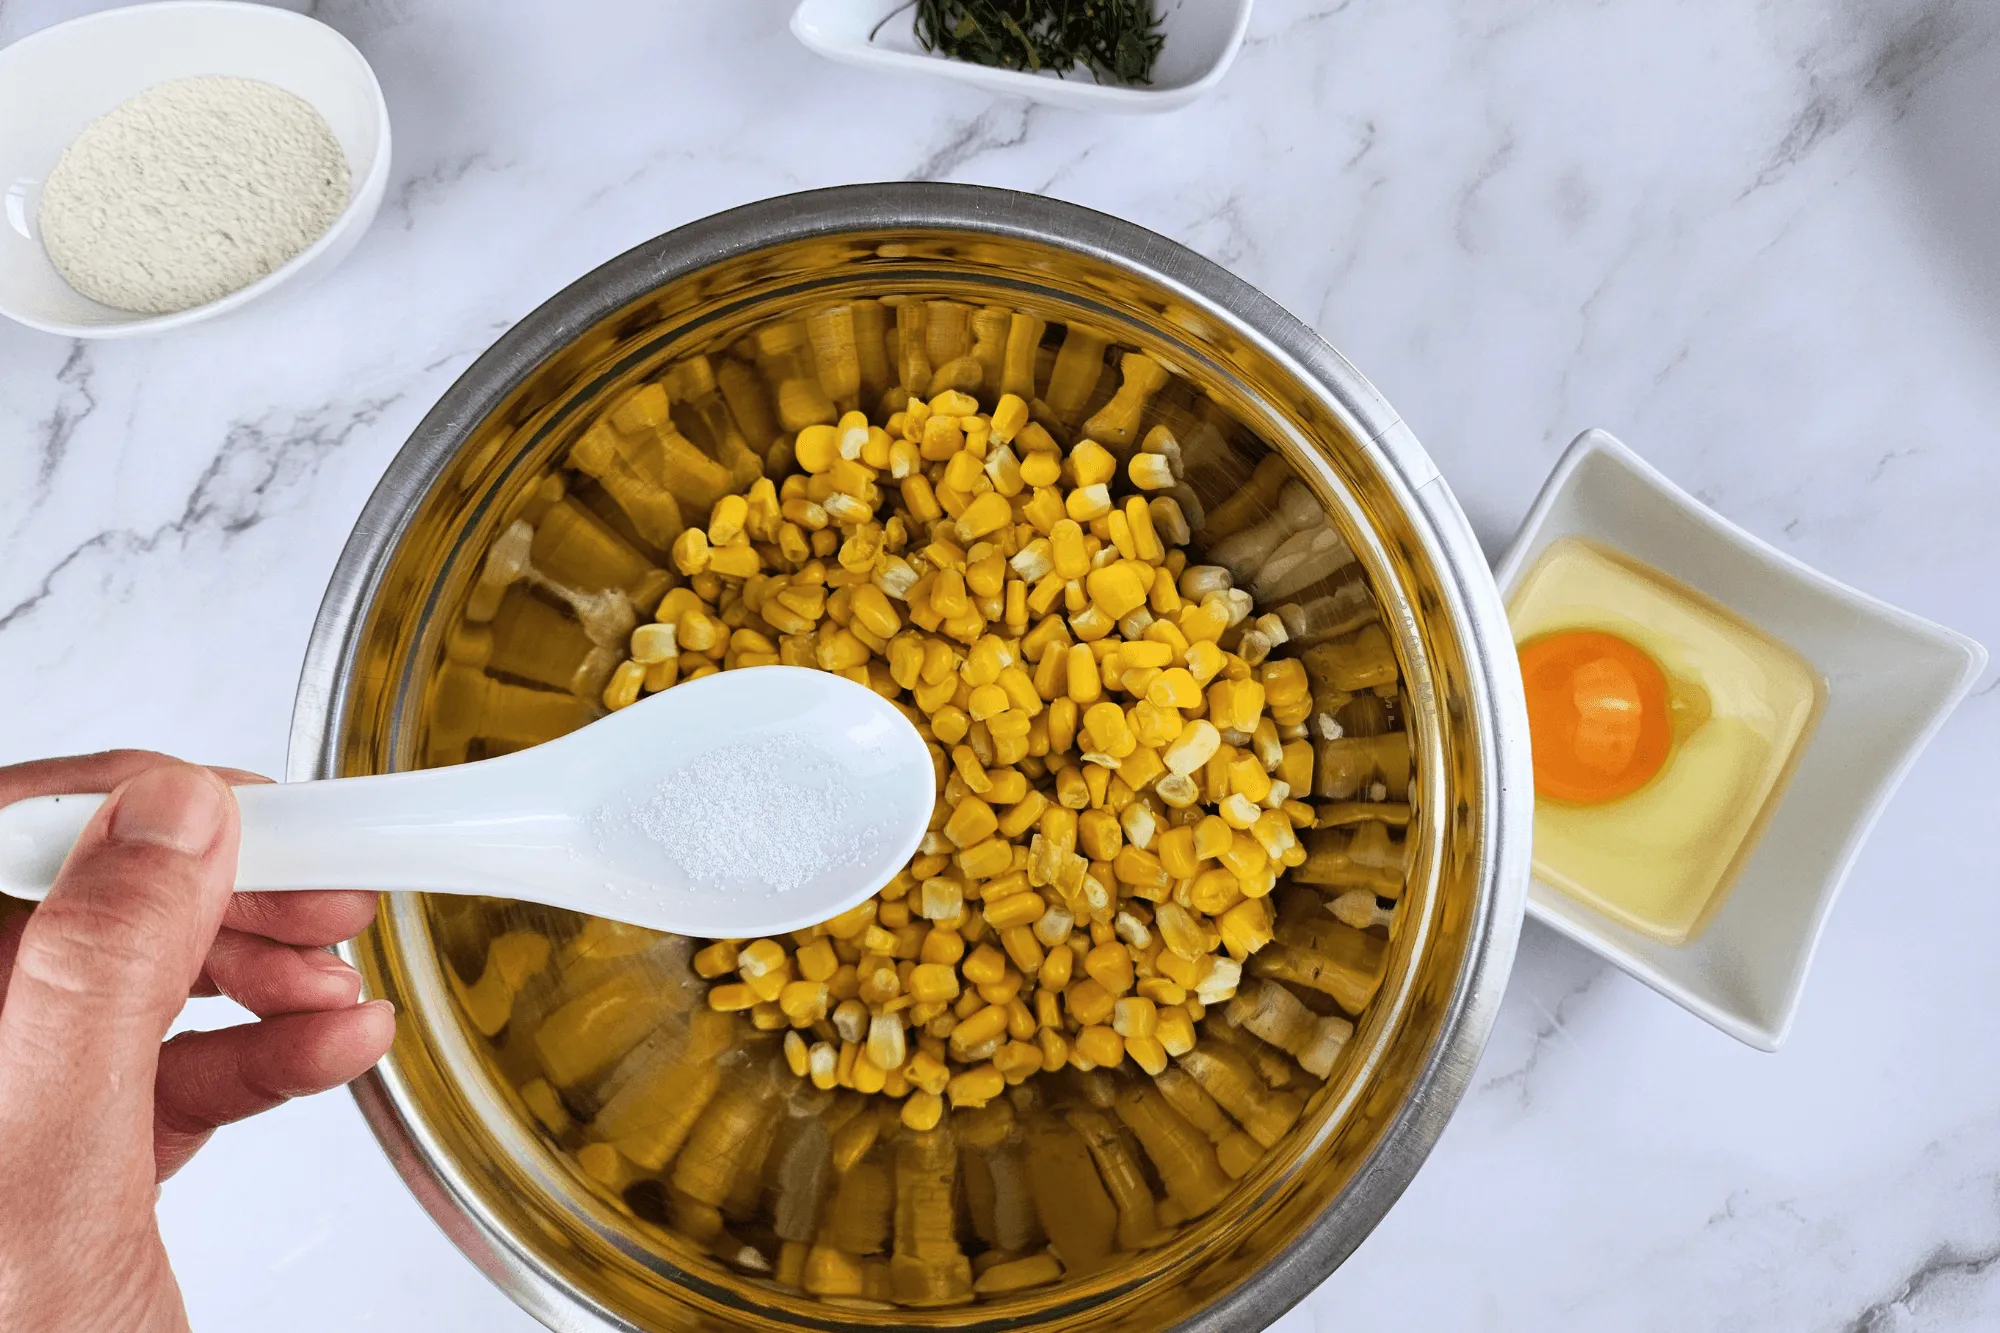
[(1891, 678), (1202, 38)]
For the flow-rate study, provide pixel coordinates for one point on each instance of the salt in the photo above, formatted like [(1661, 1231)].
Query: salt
[(778, 813)]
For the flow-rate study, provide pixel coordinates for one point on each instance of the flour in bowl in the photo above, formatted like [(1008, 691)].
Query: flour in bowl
[(189, 191)]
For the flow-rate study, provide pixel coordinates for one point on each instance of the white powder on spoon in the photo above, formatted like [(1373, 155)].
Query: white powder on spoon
[(776, 812), (190, 190)]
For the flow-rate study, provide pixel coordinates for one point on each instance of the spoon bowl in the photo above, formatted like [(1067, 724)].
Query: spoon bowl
[(746, 803)]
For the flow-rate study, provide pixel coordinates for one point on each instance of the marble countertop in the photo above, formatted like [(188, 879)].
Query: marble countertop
[(1758, 241)]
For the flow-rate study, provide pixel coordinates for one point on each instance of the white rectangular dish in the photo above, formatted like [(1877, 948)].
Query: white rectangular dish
[(1891, 679), (1202, 38)]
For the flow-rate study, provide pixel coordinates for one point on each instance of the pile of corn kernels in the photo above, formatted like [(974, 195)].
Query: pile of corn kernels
[(1117, 792)]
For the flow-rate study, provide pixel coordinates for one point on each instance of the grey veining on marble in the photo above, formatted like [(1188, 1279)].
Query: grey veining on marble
[(1758, 241)]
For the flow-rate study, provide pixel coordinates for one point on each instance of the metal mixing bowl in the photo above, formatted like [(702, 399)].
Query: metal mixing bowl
[(519, 1209)]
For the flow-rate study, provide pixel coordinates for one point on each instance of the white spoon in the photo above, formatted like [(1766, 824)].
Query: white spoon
[(750, 802)]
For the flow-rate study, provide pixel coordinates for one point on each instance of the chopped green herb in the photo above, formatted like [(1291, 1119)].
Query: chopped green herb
[(1119, 38)]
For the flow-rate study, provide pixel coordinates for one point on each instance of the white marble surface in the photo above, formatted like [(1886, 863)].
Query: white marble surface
[(1759, 241)]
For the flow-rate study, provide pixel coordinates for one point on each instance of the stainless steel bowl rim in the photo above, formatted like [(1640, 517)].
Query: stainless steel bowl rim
[(1500, 725)]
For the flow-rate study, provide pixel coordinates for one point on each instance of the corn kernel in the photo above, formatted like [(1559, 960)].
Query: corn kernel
[(927, 1072), (931, 982), (986, 514), (1110, 966), (1140, 869), (1214, 891), (1150, 472), (1248, 778), (1004, 990), (1177, 853), (887, 1048), (797, 1055), (731, 998), (803, 1002), (922, 1110), (1088, 502), (985, 966), (716, 960), (1041, 470), (1246, 928), (1119, 589), (1101, 1046), (941, 899), (1106, 730), (1238, 811), (1022, 948), (972, 820), (942, 945), (983, 1026), (986, 859), (1134, 1016), (1009, 787), (1015, 909), (976, 1086), (1056, 968)]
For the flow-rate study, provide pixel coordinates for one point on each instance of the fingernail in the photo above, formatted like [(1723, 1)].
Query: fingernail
[(330, 964), (175, 806), (384, 1005)]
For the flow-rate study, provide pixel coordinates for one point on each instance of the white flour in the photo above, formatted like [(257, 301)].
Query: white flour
[(190, 190), (776, 812)]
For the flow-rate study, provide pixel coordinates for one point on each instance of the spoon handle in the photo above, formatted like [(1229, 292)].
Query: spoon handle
[(387, 832)]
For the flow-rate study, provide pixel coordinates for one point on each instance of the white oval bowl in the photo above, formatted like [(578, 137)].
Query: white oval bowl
[(1202, 38), (55, 82)]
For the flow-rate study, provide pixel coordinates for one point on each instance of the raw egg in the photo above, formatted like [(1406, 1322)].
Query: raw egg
[(1597, 713), (1663, 728)]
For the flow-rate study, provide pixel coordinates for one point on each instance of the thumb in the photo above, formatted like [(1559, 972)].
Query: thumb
[(105, 963)]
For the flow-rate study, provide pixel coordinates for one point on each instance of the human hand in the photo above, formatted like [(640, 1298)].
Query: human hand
[(96, 1109)]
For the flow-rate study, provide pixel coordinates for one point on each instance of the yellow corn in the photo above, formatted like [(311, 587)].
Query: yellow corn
[(1246, 927), (1175, 1031), (1134, 1016), (1100, 840), (1100, 1045), (716, 960), (976, 1086), (930, 982), (1110, 966), (1088, 1001), (803, 1002), (1056, 968), (1194, 747), (1141, 870), (731, 998), (985, 966), (1107, 731), (988, 513), (1022, 947), (1177, 854), (972, 820), (1015, 909)]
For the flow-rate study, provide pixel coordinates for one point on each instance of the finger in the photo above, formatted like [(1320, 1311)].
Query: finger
[(75, 773), (13, 920), (82, 773), (312, 916), (209, 1079), (269, 978), (107, 961)]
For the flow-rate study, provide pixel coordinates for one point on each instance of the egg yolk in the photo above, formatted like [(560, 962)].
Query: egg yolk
[(1597, 715)]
